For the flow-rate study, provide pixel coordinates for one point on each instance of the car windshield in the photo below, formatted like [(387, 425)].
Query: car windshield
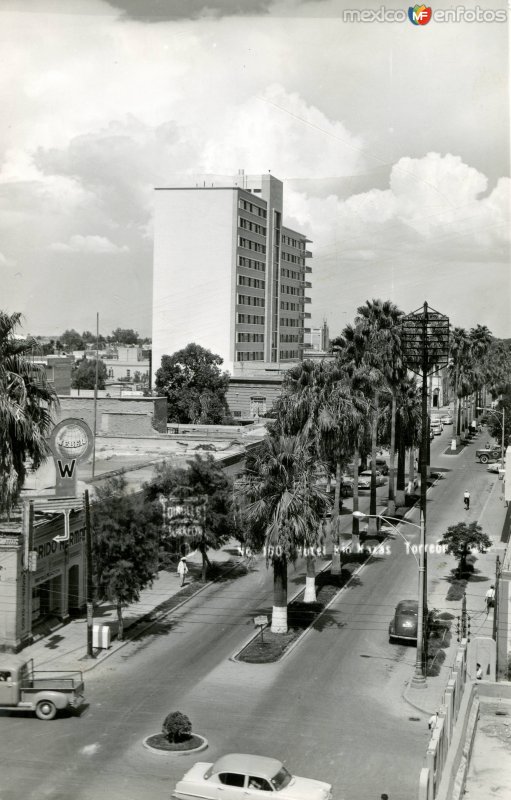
[(281, 779)]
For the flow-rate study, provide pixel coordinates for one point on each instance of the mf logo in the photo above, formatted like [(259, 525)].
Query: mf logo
[(66, 469), (419, 15)]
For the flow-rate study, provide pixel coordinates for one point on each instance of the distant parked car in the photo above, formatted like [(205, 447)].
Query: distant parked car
[(431, 433), (403, 624), (436, 427), (497, 467), (381, 465), (446, 419), (365, 478), (238, 775)]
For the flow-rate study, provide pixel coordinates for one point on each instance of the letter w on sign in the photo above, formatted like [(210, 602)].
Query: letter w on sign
[(66, 470)]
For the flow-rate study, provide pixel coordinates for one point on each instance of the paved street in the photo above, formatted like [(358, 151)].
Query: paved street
[(333, 709)]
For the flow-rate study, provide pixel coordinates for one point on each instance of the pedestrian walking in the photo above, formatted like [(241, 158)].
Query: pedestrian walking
[(490, 597), (466, 499), (479, 672), (182, 570)]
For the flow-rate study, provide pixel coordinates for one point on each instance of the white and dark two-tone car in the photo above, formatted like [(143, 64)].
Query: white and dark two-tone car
[(238, 776)]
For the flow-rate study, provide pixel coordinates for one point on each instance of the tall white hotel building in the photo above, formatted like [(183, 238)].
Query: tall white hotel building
[(228, 275)]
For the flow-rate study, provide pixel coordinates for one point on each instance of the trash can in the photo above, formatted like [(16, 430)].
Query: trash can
[(101, 637)]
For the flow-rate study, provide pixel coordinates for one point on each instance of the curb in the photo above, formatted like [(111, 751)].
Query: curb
[(203, 746)]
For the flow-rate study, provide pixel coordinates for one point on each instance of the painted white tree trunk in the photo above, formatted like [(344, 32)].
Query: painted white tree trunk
[(310, 590), (279, 619)]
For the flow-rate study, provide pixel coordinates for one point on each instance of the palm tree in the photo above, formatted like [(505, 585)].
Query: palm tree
[(459, 358), (284, 509), (26, 404)]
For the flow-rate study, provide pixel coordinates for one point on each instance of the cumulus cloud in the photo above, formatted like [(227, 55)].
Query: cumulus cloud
[(88, 244)]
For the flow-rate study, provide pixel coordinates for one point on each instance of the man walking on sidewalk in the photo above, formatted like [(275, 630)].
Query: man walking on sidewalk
[(466, 499), (182, 569), (490, 598)]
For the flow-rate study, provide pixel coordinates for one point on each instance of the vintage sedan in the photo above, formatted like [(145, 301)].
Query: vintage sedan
[(498, 467), (403, 625), (364, 479), (446, 419), (238, 776)]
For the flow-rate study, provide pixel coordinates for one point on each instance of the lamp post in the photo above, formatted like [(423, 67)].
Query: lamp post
[(503, 415), (419, 676)]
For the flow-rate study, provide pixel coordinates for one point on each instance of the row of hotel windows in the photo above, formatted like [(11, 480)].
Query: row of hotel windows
[(251, 263), (244, 337), (285, 306), (293, 242), (291, 323), (249, 300), (249, 356), (290, 273), (250, 319), (250, 337), (255, 283), (251, 226), (246, 206), (291, 290), (260, 356), (293, 259), (248, 244)]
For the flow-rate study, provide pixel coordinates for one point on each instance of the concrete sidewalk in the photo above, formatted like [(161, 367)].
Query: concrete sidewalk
[(65, 647)]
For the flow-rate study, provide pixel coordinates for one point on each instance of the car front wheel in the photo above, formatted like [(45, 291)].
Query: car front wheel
[(45, 709), (484, 459)]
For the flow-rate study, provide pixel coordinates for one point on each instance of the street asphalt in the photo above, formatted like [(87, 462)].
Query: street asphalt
[(339, 708)]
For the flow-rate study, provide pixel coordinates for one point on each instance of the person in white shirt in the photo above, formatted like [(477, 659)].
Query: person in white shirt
[(182, 569), (490, 597)]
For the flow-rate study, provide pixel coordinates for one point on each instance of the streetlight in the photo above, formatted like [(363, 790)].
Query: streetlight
[(419, 678), (503, 414)]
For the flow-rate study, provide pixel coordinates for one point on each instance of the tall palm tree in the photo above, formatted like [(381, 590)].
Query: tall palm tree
[(375, 341), (284, 508), (26, 405), (459, 355)]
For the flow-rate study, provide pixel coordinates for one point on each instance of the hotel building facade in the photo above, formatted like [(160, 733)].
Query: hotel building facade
[(229, 275)]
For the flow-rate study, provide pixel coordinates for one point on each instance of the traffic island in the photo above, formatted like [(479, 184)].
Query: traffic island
[(176, 736), (159, 743), (267, 647)]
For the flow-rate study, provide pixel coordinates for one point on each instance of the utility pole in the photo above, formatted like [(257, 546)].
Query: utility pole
[(95, 397), (425, 341), (495, 632), (90, 584)]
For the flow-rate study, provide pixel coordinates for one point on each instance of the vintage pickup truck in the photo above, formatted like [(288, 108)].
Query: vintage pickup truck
[(45, 692), (486, 454)]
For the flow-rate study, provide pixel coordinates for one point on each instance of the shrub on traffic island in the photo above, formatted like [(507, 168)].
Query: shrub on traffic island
[(176, 727)]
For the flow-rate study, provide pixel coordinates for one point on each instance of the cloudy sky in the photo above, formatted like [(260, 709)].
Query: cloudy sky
[(392, 141)]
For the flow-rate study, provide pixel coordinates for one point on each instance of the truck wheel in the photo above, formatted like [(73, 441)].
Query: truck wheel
[(45, 709), (484, 459)]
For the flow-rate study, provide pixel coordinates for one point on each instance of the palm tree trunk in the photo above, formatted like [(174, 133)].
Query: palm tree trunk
[(279, 612), (401, 468), (372, 523), (120, 628), (337, 493), (392, 496), (355, 541), (456, 425), (310, 580), (411, 467)]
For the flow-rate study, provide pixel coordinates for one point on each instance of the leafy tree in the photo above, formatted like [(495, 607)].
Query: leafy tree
[(71, 340), (463, 537), (194, 386), (125, 336), (203, 478), (126, 532), (84, 374), (26, 405)]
